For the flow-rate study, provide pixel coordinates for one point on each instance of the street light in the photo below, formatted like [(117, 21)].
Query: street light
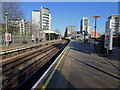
[(6, 21), (95, 23), (6, 15)]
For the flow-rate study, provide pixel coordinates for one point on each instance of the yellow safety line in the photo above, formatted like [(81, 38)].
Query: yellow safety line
[(51, 75)]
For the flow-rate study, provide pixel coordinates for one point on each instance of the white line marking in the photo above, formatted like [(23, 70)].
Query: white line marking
[(36, 84)]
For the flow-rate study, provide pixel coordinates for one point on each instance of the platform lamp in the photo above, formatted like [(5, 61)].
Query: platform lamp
[(6, 21), (6, 16), (95, 23)]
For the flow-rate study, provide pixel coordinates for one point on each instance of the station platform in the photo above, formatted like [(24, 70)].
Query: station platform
[(80, 67)]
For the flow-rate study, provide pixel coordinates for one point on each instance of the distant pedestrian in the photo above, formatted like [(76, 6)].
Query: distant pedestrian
[(33, 38), (36, 40)]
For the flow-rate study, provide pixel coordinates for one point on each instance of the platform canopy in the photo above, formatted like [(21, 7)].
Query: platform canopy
[(51, 31)]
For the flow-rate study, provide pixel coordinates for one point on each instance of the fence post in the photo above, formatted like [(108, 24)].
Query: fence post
[(13, 39)]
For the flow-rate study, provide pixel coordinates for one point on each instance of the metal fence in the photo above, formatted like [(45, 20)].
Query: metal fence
[(16, 39)]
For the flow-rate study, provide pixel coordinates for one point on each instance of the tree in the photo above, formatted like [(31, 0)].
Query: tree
[(58, 31), (0, 18), (13, 10)]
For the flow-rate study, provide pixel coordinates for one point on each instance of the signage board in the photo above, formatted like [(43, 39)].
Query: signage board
[(108, 39), (8, 36)]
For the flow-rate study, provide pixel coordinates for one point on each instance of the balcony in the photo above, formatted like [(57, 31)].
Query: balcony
[(46, 17), (45, 14)]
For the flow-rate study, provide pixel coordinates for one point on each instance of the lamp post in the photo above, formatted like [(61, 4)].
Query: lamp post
[(95, 27), (6, 15), (84, 36), (95, 23), (6, 21)]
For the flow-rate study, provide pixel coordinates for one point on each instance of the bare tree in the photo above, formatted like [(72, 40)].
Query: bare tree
[(14, 12), (0, 13), (58, 31), (13, 9)]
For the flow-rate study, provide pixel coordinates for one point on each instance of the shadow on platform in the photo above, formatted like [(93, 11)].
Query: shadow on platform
[(59, 81), (96, 68), (88, 48)]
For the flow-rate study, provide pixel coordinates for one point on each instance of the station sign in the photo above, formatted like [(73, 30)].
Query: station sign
[(108, 40), (8, 36)]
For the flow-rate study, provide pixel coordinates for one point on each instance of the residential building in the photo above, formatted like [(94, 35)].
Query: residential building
[(70, 32), (41, 20), (85, 26), (29, 28), (114, 24), (45, 19), (36, 17), (50, 21), (20, 26), (35, 21), (42, 25)]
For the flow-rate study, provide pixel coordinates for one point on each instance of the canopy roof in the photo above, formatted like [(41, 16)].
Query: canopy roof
[(50, 31)]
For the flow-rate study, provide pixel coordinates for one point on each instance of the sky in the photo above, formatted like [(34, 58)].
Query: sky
[(70, 13), (61, 0)]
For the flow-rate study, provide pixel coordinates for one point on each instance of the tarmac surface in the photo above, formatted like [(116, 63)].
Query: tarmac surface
[(83, 67)]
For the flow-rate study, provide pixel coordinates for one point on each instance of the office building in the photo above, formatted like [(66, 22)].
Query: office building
[(114, 24)]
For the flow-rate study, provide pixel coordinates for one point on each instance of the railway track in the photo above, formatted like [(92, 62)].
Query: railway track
[(18, 68), (13, 52)]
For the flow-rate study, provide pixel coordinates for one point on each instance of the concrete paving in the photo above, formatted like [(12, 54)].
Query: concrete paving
[(81, 67)]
